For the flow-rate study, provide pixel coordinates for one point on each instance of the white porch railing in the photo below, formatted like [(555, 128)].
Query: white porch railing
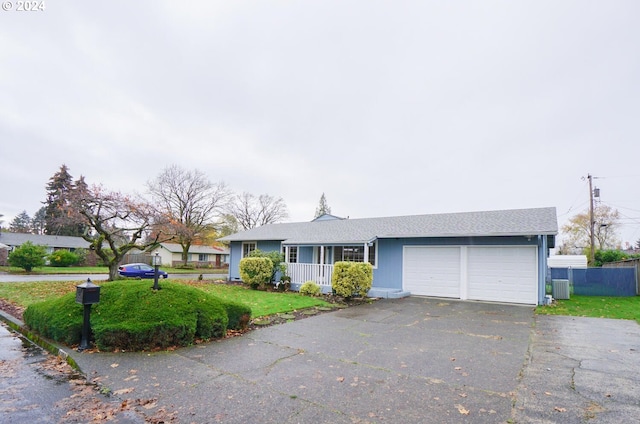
[(301, 273)]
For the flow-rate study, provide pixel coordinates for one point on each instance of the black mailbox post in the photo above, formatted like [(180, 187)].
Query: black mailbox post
[(87, 294)]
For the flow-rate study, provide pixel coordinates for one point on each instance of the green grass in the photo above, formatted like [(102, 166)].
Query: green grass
[(595, 306), (261, 303), (51, 270)]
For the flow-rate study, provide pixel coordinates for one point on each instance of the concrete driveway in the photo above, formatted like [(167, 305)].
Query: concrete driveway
[(411, 360)]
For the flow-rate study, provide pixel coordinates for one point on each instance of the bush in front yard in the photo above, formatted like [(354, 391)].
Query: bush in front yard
[(278, 267), (239, 315), (63, 258), (351, 278), (132, 316), (310, 288), (256, 271), (27, 256)]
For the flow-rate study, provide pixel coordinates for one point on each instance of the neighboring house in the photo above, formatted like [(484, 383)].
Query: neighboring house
[(567, 261), (494, 256), (198, 256), (51, 243)]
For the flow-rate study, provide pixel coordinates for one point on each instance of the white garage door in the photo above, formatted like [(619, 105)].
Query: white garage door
[(503, 274), (432, 271)]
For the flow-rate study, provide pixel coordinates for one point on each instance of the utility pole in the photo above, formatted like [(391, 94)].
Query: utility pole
[(592, 253)]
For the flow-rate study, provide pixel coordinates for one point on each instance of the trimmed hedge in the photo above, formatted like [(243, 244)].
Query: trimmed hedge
[(351, 279), (132, 316), (256, 271)]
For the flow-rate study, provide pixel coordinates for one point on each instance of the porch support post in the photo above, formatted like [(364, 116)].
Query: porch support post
[(366, 253), (321, 255), (286, 254)]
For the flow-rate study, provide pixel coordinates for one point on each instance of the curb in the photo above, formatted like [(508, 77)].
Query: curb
[(20, 327)]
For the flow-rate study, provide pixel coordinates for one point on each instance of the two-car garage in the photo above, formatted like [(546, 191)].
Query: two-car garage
[(492, 273)]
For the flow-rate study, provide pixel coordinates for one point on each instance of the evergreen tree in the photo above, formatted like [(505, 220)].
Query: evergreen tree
[(59, 189), (21, 223), (323, 207), (38, 221)]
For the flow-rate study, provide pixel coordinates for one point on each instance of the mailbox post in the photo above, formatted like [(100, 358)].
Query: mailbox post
[(156, 262), (87, 294)]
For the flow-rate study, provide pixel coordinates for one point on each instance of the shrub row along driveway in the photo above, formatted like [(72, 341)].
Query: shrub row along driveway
[(400, 361)]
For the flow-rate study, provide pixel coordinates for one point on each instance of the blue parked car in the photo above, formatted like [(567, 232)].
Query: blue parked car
[(140, 271)]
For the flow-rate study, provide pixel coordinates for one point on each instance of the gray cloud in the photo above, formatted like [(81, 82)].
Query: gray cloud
[(388, 108)]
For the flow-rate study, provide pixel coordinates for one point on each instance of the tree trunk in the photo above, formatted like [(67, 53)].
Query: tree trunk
[(113, 271)]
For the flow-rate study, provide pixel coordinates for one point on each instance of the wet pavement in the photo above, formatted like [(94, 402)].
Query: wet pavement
[(36, 387), (411, 360), (582, 370), (27, 393)]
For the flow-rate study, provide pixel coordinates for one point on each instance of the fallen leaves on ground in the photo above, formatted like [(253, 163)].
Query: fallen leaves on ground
[(462, 410)]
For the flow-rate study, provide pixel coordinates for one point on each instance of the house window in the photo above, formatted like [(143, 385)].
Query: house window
[(355, 254), (372, 253), (247, 248), (293, 254), (202, 257)]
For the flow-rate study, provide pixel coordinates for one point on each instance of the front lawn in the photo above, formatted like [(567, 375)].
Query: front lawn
[(261, 303), (595, 306)]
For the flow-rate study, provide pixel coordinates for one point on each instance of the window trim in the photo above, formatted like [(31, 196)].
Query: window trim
[(248, 243), (292, 251)]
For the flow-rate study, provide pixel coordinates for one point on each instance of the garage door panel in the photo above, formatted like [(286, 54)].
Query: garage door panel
[(432, 271), (503, 274)]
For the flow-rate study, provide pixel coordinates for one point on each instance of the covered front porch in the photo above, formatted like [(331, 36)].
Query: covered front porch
[(321, 274)]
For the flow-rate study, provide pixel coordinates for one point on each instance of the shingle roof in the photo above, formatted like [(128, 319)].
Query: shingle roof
[(514, 222), (196, 248), (67, 242)]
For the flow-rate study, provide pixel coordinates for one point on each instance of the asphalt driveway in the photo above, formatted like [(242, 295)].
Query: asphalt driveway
[(411, 360)]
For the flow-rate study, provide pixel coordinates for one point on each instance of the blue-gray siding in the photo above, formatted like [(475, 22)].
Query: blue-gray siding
[(235, 249), (388, 271)]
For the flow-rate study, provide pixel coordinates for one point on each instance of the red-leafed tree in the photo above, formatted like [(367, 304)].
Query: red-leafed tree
[(116, 224)]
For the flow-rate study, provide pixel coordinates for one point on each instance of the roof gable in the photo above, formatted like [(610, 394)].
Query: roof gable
[(465, 224)]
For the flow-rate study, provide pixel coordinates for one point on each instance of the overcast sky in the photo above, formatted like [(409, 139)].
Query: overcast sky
[(389, 108)]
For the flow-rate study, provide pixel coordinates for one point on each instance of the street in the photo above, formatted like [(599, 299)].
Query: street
[(17, 278)]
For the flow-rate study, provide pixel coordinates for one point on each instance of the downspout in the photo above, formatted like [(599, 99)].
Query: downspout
[(542, 268)]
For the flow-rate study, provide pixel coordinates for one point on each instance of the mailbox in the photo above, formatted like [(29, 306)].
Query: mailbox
[(87, 293)]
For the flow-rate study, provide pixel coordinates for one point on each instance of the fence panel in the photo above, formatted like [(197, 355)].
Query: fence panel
[(603, 281), (627, 263)]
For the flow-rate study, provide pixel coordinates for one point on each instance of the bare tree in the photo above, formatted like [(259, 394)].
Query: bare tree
[(189, 202), (251, 211), (116, 224), (606, 223)]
